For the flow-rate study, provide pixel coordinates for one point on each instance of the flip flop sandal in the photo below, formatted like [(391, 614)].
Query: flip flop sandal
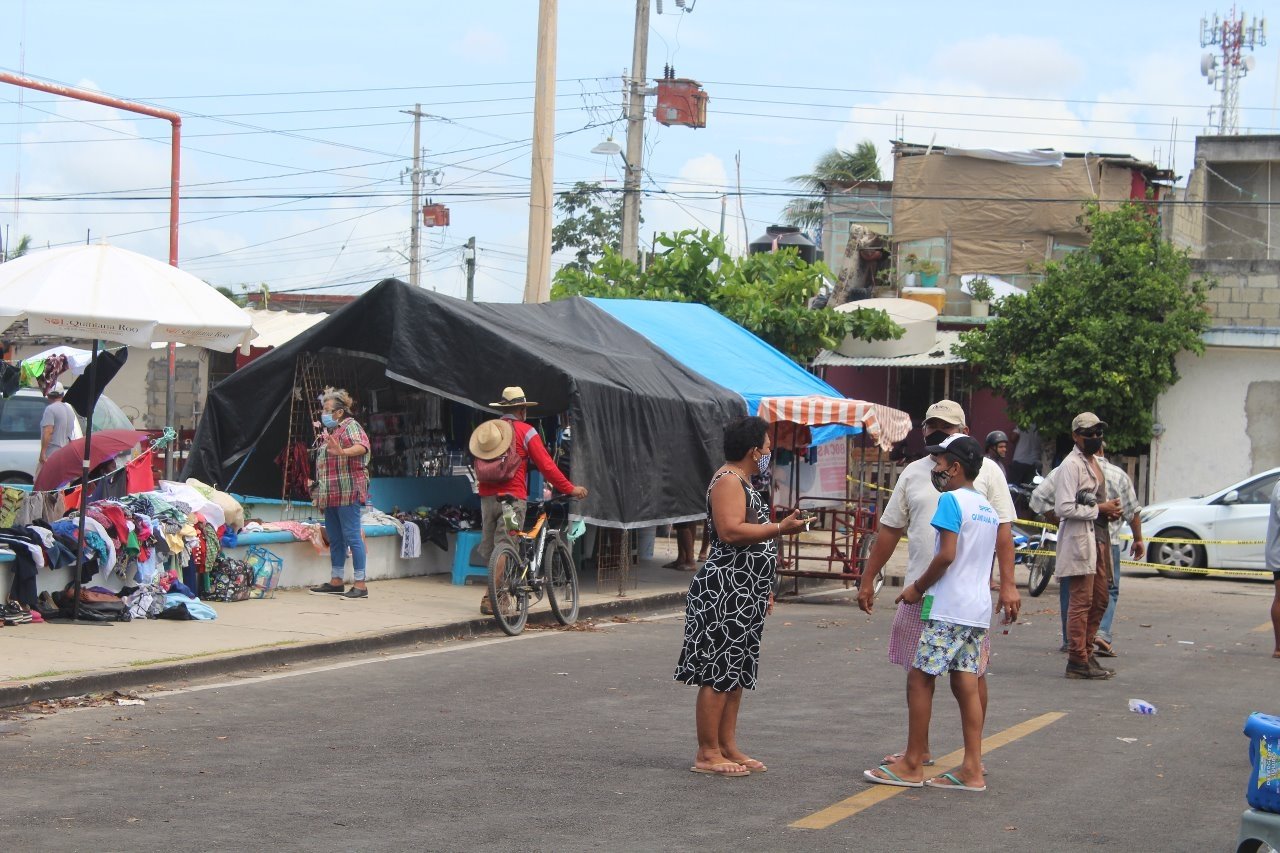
[(953, 783), (1103, 649), (753, 765), (712, 771), (898, 756), (889, 778)]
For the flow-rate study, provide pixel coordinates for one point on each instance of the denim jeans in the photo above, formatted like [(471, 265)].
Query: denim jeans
[(1104, 630), (342, 525), (1113, 591)]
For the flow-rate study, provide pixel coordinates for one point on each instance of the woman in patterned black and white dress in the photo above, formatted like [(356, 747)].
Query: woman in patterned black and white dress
[(729, 598)]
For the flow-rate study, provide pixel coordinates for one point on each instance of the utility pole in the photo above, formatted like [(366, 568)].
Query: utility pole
[(635, 134), (470, 253), (537, 283), (415, 178)]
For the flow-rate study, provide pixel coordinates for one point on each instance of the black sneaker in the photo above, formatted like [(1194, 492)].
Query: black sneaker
[(356, 592), (15, 615), (327, 589)]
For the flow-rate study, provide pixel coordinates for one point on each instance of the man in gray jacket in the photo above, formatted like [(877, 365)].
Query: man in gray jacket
[(1084, 544)]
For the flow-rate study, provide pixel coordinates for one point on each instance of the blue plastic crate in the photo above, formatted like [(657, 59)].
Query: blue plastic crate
[(1263, 731)]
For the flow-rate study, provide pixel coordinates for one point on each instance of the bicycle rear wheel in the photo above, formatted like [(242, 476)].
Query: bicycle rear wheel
[(507, 593), (1040, 570), (562, 581)]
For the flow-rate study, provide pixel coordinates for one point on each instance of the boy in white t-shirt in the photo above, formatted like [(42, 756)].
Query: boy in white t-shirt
[(956, 608)]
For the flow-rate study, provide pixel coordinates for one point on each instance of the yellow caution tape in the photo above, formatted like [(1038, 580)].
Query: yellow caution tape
[(1142, 564), (853, 479)]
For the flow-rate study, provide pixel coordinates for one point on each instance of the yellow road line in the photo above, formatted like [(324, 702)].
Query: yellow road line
[(879, 793)]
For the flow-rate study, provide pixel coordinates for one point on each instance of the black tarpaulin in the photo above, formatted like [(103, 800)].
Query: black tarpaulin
[(647, 431)]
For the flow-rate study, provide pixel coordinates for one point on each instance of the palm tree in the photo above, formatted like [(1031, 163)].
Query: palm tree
[(837, 166), (24, 243)]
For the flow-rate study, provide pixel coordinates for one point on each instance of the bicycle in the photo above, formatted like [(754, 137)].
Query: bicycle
[(529, 563)]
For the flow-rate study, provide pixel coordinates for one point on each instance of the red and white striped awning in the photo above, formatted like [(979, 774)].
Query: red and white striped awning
[(885, 424)]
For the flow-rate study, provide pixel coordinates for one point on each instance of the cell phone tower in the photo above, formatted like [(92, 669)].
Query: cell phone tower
[(1223, 72)]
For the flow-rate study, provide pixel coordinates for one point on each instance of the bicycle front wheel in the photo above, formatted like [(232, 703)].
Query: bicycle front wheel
[(562, 581), (507, 592)]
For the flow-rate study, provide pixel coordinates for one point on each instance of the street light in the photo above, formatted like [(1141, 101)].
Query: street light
[(608, 147)]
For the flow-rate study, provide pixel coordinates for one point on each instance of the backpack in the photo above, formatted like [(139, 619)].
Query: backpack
[(503, 468)]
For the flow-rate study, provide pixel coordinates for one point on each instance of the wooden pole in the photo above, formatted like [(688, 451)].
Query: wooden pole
[(537, 285)]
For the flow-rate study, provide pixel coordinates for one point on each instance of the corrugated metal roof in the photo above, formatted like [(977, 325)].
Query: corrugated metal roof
[(940, 354), (278, 327)]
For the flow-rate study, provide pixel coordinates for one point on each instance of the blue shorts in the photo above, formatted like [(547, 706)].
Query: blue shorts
[(948, 647)]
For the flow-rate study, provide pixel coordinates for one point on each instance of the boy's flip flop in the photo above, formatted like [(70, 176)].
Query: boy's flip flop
[(723, 768), (889, 778), (953, 783)]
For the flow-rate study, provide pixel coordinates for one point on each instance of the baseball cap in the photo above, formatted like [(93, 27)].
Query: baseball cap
[(960, 446), (56, 390), (946, 410), (1087, 420)]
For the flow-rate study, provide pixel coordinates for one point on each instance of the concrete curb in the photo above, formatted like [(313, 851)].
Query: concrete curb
[(221, 664)]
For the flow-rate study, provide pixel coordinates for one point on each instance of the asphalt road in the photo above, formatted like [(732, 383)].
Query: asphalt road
[(580, 740)]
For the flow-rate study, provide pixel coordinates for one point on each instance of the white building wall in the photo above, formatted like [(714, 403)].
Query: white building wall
[(1222, 422)]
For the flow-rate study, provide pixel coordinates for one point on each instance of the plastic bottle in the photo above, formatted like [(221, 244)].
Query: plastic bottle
[(1141, 706)]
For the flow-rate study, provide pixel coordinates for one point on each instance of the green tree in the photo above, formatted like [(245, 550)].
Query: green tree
[(589, 223), (768, 293), (1101, 333), (836, 166)]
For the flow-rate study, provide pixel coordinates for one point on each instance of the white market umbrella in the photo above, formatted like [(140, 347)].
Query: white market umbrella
[(107, 293)]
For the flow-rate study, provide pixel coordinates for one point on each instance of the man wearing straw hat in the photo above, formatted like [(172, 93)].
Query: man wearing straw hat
[(492, 440)]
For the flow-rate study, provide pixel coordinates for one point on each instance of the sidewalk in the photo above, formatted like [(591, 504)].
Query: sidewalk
[(60, 659)]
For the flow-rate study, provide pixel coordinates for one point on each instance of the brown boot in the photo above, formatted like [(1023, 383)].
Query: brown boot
[(1093, 662), (1085, 671), (486, 607)]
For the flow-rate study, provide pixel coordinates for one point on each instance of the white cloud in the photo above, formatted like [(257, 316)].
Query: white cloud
[(700, 179), (482, 44), (1010, 64)]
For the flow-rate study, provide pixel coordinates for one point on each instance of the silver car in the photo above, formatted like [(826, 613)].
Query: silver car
[(20, 431), (1237, 513)]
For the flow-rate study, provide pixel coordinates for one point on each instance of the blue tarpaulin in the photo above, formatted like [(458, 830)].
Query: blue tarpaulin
[(718, 348)]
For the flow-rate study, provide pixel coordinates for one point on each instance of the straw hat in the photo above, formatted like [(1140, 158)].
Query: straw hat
[(512, 398), (490, 440)]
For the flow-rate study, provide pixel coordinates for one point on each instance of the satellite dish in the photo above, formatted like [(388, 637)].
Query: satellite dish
[(1249, 62), (1213, 76), (1207, 62)]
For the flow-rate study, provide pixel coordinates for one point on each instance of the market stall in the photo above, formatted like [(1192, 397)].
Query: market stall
[(845, 496), (639, 428)]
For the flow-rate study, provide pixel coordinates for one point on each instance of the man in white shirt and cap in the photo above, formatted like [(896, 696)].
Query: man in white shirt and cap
[(910, 510), (58, 425)]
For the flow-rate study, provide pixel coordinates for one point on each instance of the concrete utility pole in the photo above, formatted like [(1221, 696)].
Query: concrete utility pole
[(416, 181), (635, 135), (470, 253), (537, 283)]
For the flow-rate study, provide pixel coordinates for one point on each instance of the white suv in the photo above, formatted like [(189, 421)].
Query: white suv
[(20, 435)]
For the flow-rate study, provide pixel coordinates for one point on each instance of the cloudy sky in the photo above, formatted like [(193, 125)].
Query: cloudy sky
[(294, 142)]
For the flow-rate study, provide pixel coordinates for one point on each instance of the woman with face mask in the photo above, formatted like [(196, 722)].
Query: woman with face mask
[(729, 598), (341, 489)]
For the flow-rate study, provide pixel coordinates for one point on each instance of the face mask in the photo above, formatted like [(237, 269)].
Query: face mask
[(940, 479), (328, 420), (763, 463), (1092, 446), (935, 438)]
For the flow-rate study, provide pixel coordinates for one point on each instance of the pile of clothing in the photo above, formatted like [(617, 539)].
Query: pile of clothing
[(128, 542)]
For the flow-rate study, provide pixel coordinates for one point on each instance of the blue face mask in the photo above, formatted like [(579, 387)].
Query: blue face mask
[(763, 463), (328, 420)]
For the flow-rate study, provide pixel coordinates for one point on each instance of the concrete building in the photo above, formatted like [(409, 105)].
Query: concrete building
[(1218, 424)]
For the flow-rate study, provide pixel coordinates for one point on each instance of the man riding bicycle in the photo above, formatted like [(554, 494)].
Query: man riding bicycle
[(496, 440)]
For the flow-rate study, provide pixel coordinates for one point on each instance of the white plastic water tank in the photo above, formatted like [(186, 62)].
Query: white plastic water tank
[(918, 320)]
